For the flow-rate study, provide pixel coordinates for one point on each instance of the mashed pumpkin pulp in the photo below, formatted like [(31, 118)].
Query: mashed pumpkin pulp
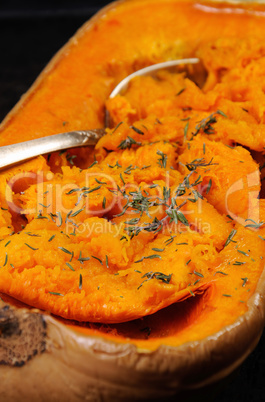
[(166, 208)]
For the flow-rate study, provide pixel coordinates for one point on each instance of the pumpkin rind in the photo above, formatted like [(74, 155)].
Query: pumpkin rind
[(114, 369), (99, 369)]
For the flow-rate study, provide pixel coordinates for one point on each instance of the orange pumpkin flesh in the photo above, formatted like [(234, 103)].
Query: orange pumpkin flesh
[(71, 93)]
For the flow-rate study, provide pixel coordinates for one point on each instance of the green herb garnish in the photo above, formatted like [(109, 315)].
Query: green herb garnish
[(56, 294), (230, 237), (127, 143), (32, 248), (70, 266), (80, 282), (244, 281)]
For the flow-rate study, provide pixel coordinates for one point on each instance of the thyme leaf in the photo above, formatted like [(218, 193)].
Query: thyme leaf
[(198, 274), (80, 282), (230, 237), (32, 248), (56, 294), (137, 130), (70, 266), (244, 282), (65, 250)]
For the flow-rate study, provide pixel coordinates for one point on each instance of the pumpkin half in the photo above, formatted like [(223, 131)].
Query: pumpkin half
[(134, 270)]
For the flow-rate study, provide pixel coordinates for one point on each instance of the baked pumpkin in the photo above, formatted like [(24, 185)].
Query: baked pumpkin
[(145, 255)]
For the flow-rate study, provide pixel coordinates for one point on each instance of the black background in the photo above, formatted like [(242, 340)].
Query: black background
[(30, 33)]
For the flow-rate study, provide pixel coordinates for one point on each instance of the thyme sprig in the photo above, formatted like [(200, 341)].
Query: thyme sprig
[(156, 275), (254, 224), (162, 161), (128, 142), (148, 257), (206, 124), (138, 202), (173, 211), (155, 226), (200, 162)]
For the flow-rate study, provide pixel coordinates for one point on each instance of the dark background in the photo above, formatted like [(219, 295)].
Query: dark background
[(30, 33)]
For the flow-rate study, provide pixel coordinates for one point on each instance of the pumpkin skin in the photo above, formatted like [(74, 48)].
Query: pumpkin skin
[(155, 368)]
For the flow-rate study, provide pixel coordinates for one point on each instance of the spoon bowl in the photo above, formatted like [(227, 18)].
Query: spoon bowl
[(150, 70)]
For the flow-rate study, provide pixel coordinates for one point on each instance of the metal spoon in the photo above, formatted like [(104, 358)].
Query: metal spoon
[(11, 154)]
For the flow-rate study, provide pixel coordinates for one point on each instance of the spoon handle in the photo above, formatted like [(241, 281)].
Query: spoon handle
[(11, 154)]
